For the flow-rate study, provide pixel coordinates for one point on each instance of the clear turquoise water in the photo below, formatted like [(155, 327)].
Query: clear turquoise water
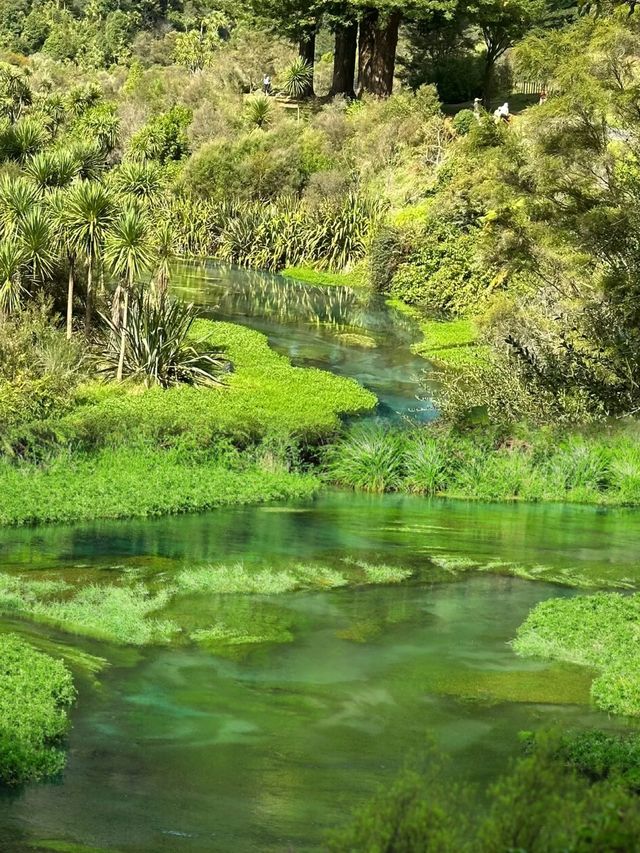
[(179, 749), (266, 747), (312, 326)]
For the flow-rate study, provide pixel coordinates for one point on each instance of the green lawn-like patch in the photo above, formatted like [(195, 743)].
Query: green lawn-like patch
[(447, 343), (323, 278), (601, 631), (146, 452), (129, 482), (264, 394), (35, 693)]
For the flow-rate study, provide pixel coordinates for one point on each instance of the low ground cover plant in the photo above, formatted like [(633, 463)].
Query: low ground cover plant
[(600, 631), (36, 692)]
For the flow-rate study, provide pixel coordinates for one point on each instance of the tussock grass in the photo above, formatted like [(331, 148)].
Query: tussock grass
[(485, 465), (601, 631)]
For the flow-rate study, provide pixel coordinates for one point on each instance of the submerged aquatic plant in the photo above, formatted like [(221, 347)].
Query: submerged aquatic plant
[(113, 613)]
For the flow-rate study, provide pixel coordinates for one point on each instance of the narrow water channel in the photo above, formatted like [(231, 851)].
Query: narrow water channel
[(265, 748), (349, 331)]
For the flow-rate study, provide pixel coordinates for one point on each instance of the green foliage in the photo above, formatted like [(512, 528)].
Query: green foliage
[(164, 138), (537, 806), (333, 236), (441, 272), (239, 579), (263, 395), (259, 111), (39, 368), (463, 121), (136, 482), (369, 460), (324, 279), (297, 78), (35, 693), (599, 631), (600, 755), (490, 465)]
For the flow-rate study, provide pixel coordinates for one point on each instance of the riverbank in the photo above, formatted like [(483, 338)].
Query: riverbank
[(130, 482), (123, 450), (600, 467)]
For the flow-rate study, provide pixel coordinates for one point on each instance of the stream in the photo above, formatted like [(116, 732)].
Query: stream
[(265, 748)]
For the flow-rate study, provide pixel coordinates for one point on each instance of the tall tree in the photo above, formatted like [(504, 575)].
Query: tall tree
[(128, 254), (295, 20), (502, 23), (89, 215), (342, 18), (378, 42)]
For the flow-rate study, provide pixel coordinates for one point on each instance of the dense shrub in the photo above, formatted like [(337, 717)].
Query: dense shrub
[(35, 692), (463, 121), (441, 272), (537, 806)]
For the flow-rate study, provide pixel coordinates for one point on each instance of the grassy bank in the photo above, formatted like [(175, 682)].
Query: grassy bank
[(120, 450), (599, 631), (324, 278), (35, 693), (264, 394), (534, 465), (446, 343), (130, 482)]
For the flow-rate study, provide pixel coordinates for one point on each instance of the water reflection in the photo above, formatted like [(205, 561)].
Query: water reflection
[(347, 331)]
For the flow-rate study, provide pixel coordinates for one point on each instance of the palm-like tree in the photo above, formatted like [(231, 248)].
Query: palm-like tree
[(18, 196), (138, 179), (11, 267), (35, 236), (56, 202), (29, 136), (129, 254), (52, 168), (89, 215)]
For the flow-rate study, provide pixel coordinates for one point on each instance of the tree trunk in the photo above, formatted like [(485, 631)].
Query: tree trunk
[(307, 50), (88, 304), (377, 60), (487, 81), (123, 333), (70, 302), (344, 60)]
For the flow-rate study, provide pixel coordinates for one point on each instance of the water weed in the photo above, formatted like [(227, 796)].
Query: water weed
[(599, 631), (116, 614), (35, 694)]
